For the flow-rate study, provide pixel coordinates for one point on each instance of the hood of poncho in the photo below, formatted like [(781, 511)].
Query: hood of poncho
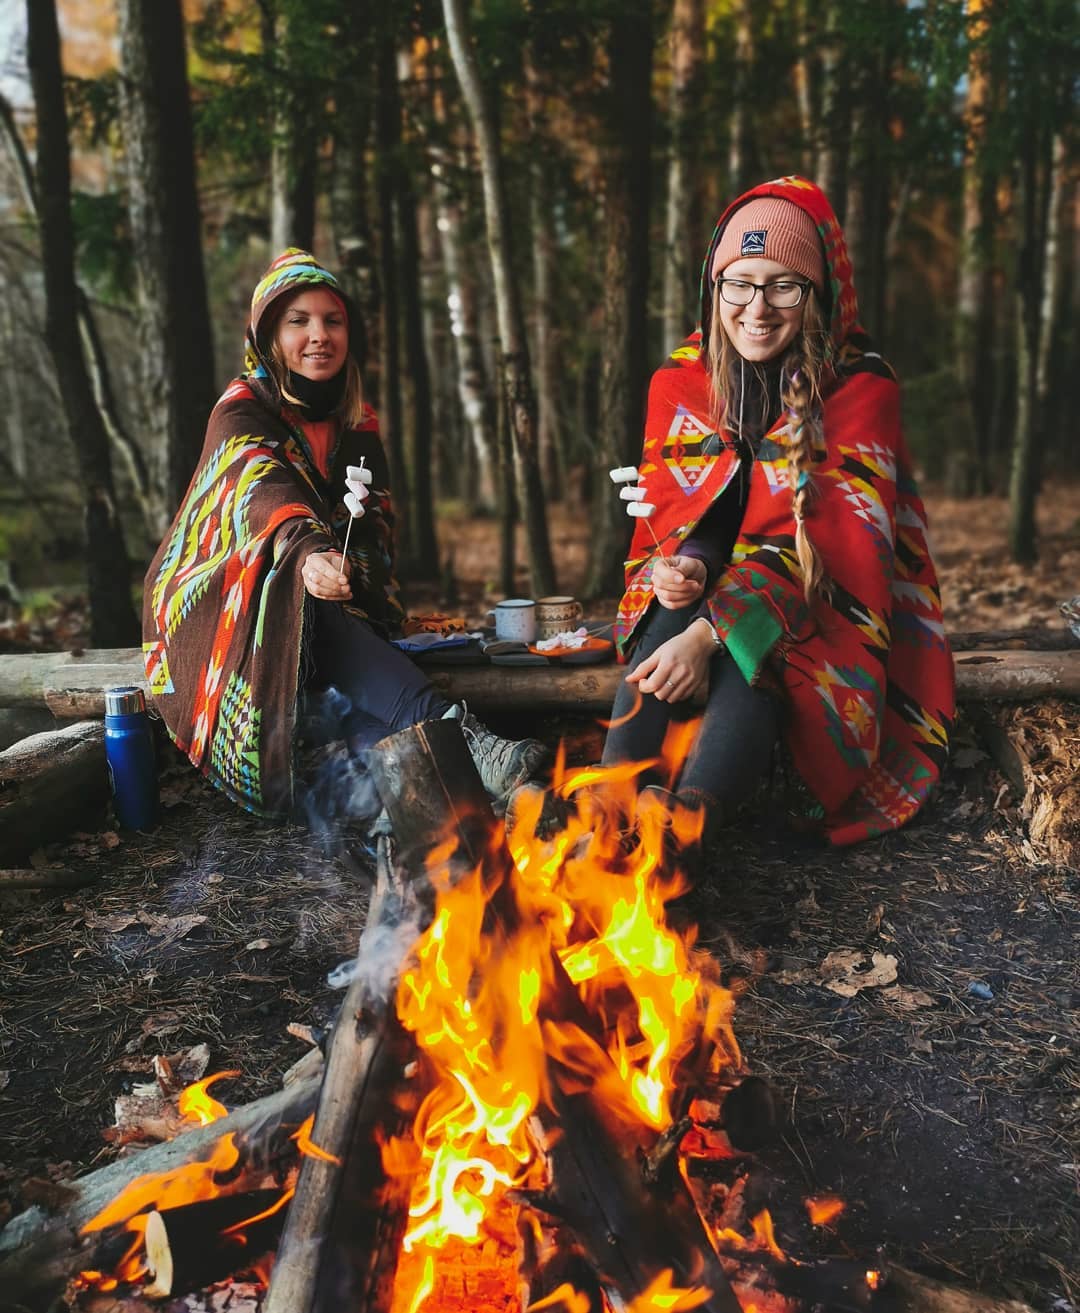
[(842, 307), (292, 271)]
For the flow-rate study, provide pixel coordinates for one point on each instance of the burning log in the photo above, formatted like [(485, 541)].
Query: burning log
[(197, 1244), (344, 1230), (58, 773), (40, 1251)]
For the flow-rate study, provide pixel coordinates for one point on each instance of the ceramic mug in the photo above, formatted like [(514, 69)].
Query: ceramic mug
[(557, 615), (515, 619)]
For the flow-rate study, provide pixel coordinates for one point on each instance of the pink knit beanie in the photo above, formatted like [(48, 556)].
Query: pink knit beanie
[(773, 229)]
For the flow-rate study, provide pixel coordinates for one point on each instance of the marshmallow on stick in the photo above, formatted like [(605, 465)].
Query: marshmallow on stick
[(637, 506), (357, 479)]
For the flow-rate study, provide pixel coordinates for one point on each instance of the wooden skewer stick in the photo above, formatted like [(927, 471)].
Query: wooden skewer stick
[(348, 530)]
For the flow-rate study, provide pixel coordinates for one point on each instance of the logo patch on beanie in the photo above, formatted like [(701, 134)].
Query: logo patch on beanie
[(753, 242)]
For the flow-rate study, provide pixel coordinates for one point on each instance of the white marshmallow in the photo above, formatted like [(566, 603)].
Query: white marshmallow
[(624, 474), (640, 510), (354, 505), (358, 473), (626, 493), (360, 489)]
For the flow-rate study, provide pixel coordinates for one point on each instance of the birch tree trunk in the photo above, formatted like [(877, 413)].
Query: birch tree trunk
[(1055, 284), (624, 364), (683, 239), (177, 351), (514, 364), (473, 391), (112, 617)]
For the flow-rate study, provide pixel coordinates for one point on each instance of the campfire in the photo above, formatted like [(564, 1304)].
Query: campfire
[(527, 1057)]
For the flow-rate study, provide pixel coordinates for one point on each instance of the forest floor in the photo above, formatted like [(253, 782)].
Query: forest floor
[(944, 1107)]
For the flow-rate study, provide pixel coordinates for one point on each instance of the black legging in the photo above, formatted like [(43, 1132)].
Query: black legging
[(738, 731), (385, 690)]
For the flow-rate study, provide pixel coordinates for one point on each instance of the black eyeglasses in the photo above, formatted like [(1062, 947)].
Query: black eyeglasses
[(781, 295)]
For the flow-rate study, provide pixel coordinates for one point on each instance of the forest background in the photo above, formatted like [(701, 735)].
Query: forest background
[(518, 197)]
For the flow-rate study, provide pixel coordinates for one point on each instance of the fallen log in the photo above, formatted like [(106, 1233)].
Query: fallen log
[(47, 877), (40, 1251), (72, 686), (47, 780), (1033, 639)]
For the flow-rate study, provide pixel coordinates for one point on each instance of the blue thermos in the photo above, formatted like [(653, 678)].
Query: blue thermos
[(129, 751)]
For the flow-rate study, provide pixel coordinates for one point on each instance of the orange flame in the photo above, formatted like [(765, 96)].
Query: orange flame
[(571, 1299), (765, 1235), (663, 1297), (824, 1209), (307, 1145), (196, 1105), (488, 994), (873, 1280)]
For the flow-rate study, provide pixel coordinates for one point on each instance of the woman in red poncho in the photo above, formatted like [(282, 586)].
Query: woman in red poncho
[(795, 581)]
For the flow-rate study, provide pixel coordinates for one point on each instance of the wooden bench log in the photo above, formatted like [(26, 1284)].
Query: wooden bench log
[(48, 781), (72, 686)]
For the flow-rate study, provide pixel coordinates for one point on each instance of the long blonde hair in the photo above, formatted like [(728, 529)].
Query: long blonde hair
[(802, 376)]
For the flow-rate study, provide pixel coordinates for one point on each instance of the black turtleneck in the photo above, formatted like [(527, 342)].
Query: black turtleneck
[(318, 398)]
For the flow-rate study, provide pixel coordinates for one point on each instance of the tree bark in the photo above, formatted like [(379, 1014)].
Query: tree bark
[(742, 161), (150, 499), (50, 783), (294, 147), (832, 146), (1029, 306), (541, 210), (967, 464), (867, 218), (479, 492), (72, 687), (40, 1252), (112, 615), (514, 364), (624, 364), (177, 352), (683, 239), (424, 556), (354, 240), (387, 152)]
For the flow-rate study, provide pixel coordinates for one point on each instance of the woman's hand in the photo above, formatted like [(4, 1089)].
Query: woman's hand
[(678, 668), (678, 581), (321, 578)]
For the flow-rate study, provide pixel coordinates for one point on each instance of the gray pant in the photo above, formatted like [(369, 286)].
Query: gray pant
[(738, 731)]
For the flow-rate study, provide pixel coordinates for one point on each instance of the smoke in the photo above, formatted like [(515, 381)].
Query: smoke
[(335, 790)]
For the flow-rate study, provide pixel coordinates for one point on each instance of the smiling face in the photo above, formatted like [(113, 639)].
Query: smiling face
[(313, 334), (758, 331)]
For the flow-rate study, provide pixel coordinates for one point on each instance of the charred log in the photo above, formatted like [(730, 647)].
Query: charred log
[(40, 1251)]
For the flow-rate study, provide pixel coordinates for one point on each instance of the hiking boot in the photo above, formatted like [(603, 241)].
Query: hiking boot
[(502, 764)]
